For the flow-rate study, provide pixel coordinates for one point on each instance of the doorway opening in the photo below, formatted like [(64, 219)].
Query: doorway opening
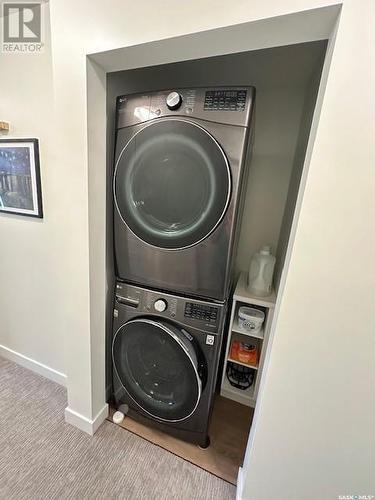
[(272, 193)]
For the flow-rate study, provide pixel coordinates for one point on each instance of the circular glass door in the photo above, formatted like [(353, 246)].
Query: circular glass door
[(172, 184), (158, 367)]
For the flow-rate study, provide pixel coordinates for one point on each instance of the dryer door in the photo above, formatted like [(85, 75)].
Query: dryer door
[(172, 183), (158, 367)]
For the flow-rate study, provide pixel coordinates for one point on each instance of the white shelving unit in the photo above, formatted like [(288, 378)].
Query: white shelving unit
[(243, 297)]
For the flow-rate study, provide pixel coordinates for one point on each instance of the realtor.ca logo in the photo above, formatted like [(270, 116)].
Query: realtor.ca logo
[(22, 28)]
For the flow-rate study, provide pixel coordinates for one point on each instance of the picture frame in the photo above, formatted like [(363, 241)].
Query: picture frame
[(20, 183)]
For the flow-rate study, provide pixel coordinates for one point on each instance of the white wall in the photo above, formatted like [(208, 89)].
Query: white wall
[(295, 326), (33, 309), (301, 450), (315, 428)]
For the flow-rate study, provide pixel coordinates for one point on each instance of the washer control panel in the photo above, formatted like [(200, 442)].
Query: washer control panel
[(201, 311), (132, 301)]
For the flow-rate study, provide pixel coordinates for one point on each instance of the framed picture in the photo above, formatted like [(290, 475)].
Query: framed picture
[(20, 188)]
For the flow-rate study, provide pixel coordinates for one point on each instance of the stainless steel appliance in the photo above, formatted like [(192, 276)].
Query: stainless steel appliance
[(165, 355), (179, 172)]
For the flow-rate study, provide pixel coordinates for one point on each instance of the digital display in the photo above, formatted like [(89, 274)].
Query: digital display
[(225, 100), (201, 312)]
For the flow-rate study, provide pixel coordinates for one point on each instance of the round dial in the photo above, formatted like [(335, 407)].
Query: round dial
[(174, 100), (160, 305)]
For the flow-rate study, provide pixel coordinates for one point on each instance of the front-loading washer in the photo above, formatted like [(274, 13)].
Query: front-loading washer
[(165, 355), (178, 178)]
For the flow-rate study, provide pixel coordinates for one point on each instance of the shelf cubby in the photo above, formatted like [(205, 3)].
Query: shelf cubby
[(242, 297)]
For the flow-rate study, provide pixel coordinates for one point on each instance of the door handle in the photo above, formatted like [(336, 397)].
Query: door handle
[(127, 301)]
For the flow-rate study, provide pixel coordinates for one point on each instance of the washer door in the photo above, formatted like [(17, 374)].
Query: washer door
[(157, 365), (172, 184)]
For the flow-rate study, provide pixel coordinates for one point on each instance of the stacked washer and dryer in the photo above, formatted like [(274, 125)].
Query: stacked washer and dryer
[(178, 181)]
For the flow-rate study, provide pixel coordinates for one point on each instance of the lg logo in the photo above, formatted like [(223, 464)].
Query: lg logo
[(22, 27)]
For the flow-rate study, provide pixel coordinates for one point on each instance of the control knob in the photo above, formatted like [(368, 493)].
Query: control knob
[(160, 305), (174, 100)]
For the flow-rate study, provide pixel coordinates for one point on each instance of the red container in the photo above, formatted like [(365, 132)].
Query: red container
[(243, 352)]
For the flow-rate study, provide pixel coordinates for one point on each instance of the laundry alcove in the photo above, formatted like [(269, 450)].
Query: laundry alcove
[(286, 77), (286, 81)]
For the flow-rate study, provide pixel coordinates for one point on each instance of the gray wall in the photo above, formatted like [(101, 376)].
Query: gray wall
[(282, 76), (295, 178)]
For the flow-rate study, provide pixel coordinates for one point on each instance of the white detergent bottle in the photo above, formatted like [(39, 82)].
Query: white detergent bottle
[(261, 270)]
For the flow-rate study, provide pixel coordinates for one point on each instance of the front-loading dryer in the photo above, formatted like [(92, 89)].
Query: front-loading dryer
[(178, 177), (165, 355)]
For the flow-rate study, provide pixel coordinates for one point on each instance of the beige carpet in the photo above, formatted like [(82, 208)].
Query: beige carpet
[(42, 457)]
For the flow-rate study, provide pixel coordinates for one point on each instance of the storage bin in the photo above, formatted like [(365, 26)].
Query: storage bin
[(250, 319), (244, 352)]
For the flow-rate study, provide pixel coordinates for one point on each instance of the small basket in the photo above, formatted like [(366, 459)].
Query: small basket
[(250, 319), (240, 377)]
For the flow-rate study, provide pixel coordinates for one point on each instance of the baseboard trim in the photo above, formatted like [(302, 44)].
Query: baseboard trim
[(31, 364), (85, 424), (239, 484)]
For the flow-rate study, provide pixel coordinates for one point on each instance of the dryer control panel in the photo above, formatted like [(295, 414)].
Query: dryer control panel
[(132, 301), (225, 100), (226, 105)]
